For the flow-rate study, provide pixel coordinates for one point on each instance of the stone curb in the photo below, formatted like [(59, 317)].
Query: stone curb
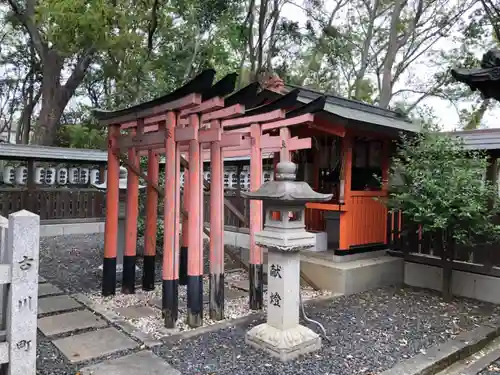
[(212, 327), (148, 340), (479, 365), (438, 357), (237, 321)]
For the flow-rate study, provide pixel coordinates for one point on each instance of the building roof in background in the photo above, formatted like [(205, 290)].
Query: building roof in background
[(10, 151), (355, 111), (46, 153), (479, 139)]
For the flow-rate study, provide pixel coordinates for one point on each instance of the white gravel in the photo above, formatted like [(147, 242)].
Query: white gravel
[(153, 324)]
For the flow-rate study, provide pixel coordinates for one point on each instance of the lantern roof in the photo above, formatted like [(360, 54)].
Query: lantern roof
[(284, 188)]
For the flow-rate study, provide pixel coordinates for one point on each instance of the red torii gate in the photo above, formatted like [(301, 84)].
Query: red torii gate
[(189, 122)]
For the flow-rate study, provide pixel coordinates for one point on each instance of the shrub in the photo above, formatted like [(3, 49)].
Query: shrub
[(442, 189)]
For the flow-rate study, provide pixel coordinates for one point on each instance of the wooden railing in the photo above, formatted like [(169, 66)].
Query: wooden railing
[(419, 246), (54, 203), (230, 219)]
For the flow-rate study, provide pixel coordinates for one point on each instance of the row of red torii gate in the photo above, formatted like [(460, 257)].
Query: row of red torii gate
[(204, 120)]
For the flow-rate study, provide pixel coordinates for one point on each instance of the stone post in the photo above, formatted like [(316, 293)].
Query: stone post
[(23, 243), (4, 289), (283, 279)]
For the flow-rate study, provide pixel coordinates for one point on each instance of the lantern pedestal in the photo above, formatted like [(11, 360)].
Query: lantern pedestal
[(282, 336), (284, 236)]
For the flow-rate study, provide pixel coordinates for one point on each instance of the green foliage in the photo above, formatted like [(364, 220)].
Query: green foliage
[(441, 186), (72, 25), (81, 136), (143, 49)]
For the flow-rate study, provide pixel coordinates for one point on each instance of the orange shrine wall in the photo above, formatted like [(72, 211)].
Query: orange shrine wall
[(364, 220)]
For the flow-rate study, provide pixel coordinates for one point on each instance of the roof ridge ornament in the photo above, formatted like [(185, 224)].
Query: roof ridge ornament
[(271, 81)]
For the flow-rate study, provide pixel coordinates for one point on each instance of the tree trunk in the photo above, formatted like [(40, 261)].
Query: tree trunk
[(260, 41), (360, 75), (47, 124), (477, 116), (52, 105), (390, 57), (55, 96), (272, 36), (24, 127)]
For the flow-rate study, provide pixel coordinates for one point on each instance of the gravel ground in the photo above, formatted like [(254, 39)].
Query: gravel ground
[(71, 262), (233, 308), (369, 333)]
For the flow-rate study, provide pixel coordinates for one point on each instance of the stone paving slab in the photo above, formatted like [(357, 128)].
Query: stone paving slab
[(68, 322), (56, 304), (142, 363), (243, 285), (94, 344), (135, 312), (48, 289), (234, 293), (240, 284), (155, 302)]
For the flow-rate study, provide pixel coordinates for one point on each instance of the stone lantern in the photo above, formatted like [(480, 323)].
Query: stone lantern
[(282, 336)]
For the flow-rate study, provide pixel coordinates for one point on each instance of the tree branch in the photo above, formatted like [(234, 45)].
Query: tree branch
[(25, 18), (78, 73)]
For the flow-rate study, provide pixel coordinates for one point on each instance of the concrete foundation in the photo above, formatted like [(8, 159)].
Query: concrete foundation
[(464, 284), (355, 276), (340, 274), (68, 227)]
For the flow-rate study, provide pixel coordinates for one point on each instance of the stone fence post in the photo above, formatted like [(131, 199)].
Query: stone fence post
[(19, 268)]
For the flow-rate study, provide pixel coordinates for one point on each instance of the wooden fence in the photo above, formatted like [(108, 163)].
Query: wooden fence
[(314, 218), (415, 245), (54, 203), (19, 249), (231, 221)]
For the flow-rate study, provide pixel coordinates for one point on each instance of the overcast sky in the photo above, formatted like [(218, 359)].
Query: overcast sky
[(443, 109)]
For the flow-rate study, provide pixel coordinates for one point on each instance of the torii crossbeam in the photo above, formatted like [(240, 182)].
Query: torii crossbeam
[(199, 119)]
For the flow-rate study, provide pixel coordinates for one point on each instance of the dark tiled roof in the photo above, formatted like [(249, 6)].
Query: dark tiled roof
[(479, 139), (348, 103), (356, 112)]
